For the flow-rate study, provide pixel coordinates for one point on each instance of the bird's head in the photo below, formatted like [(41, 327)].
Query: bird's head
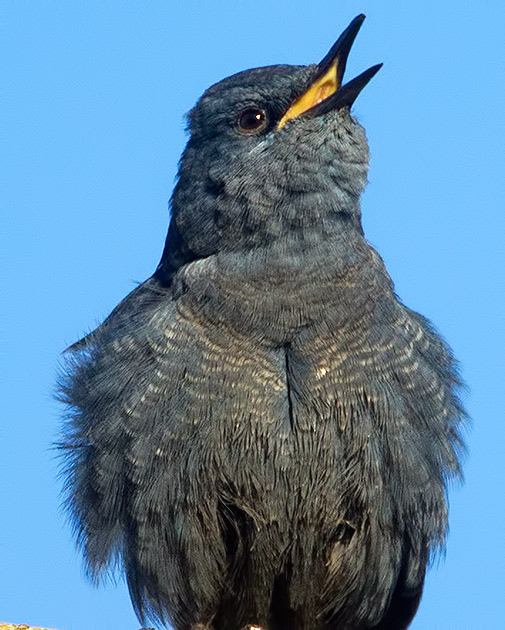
[(273, 151)]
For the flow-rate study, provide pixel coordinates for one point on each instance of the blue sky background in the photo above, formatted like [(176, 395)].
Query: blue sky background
[(92, 97)]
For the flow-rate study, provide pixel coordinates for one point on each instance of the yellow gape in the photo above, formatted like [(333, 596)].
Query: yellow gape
[(320, 90)]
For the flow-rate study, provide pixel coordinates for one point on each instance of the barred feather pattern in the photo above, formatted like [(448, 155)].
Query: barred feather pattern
[(266, 440)]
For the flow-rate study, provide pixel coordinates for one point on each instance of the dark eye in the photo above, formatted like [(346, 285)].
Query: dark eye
[(252, 120)]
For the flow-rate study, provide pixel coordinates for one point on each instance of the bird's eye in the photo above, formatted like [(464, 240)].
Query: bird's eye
[(252, 120)]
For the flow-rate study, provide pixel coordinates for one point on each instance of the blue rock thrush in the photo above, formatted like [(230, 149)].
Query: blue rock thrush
[(261, 434)]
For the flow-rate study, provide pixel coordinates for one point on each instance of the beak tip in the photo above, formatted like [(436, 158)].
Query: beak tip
[(358, 21), (334, 62)]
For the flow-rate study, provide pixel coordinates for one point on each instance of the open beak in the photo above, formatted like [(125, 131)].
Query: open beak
[(326, 91)]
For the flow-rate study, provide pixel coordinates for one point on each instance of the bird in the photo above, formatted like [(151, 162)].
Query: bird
[(261, 435)]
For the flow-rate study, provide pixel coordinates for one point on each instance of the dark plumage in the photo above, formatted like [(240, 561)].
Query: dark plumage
[(261, 433)]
